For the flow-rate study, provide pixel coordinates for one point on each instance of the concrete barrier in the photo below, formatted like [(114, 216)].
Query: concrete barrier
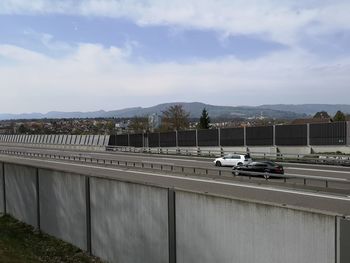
[(136, 222), (21, 195), (211, 229), (128, 222), (63, 206)]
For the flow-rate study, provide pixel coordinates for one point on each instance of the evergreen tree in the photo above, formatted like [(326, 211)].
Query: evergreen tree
[(339, 116), (204, 121)]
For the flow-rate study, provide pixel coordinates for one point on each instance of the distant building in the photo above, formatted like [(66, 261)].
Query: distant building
[(122, 126)]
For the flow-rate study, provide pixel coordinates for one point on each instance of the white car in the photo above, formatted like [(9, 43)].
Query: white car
[(233, 160)]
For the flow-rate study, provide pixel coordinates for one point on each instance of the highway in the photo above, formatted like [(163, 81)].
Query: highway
[(196, 166), (331, 203)]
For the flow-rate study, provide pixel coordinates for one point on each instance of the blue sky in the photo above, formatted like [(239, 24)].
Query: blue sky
[(107, 54)]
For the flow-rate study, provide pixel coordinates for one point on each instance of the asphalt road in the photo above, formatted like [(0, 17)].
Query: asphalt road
[(200, 165)]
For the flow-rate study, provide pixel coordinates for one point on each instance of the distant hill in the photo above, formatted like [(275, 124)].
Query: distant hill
[(194, 108), (309, 109)]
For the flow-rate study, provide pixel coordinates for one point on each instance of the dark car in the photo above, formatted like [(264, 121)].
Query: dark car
[(265, 168)]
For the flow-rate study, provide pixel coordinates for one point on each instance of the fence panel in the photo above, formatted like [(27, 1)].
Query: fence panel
[(187, 138), (208, 137), (153, 139), (259, 136), (328, 133), (288, 135), (232, 137), (136, 140), (168, 139)]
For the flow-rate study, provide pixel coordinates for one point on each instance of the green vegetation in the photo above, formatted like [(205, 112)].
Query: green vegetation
[(175, 118), (19, 243), (204, 120), (339, 116)]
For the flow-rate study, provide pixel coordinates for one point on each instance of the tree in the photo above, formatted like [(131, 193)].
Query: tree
[(322, 115), (139, 124), (175, 118), (339, 116), (204, 120)]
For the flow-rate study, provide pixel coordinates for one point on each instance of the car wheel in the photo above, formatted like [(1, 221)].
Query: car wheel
[(218, 163), (235, 172), (266, 174)]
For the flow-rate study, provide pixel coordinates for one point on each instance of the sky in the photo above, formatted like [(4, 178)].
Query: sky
[(87, 55)]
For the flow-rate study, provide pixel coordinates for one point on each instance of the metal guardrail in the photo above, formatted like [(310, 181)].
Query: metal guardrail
[(186, 170), (287, 157)]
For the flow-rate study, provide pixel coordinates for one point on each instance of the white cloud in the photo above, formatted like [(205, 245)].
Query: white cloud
[(94, 77), (281, 21)]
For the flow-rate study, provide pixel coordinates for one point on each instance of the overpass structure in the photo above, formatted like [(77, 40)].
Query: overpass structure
[(134, 207)]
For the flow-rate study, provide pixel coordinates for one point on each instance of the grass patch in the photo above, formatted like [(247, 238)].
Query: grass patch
[(20, 243)]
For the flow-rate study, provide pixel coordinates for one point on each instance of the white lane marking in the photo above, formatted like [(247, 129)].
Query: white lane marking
[(317, 170), (206, 181)]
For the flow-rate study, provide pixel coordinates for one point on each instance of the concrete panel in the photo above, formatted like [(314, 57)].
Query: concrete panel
[(134, 225), (91, 139), (293, 150), (105, 143), (101, 140), (212, 229), (83, 140), (66, 139), (331, 149), (74, 138), (21, 200), (95, 139), (63, 206), (69, 140), (77, 140), (1, 191)]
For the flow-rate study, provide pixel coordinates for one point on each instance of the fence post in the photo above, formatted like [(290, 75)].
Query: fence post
[(172, 226), (308, 134), (245, 136), (274, 135)]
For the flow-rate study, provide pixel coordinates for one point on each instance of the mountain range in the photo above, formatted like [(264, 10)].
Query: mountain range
[(278, 111)]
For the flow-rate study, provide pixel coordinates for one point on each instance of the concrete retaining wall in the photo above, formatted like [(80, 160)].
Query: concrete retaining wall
[(63, 206), (21, 197), (128, 222), (211, 229), (2, 208)]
